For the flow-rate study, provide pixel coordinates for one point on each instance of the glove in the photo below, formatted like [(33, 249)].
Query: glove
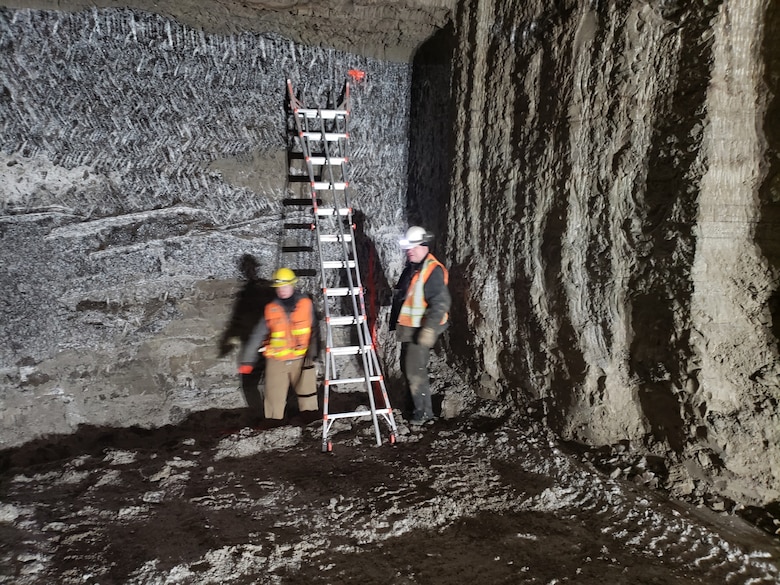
[(245, 369), (308, 362), (426, 337)]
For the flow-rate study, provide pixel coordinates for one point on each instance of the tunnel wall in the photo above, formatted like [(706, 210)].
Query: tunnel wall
[(139, 159), (613, 221)]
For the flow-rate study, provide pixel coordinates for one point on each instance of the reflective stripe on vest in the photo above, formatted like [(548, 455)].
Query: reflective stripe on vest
[(289, 334), (414, 306)]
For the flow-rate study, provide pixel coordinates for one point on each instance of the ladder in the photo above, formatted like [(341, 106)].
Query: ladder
[(321, 142)]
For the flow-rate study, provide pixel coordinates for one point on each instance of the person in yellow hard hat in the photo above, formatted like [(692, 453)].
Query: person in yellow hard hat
[(421, 303), (289, 333)]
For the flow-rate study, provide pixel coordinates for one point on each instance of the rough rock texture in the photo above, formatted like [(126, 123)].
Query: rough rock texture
[(140, 158), (487, 498), (603, 177), (374, 28), (613, 225)]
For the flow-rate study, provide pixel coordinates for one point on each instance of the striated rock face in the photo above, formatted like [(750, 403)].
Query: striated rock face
[(603, 177), (388, 30), (613, 225), (139, 159)]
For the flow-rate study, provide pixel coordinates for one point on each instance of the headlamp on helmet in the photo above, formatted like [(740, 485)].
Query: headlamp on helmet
[(415, 236)]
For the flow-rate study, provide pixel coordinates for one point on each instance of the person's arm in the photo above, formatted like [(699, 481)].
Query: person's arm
[(399, 295), (437, 295), (253, 344)]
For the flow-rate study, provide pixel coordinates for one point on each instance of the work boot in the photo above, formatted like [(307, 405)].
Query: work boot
[(419, 421)]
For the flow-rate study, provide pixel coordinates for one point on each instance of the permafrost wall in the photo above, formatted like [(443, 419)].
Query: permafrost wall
[(613, 165)]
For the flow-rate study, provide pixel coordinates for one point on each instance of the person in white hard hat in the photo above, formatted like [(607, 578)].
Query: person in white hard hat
[(421, 303)]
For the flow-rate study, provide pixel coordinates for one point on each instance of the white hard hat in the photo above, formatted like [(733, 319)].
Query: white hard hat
[(415, 236)]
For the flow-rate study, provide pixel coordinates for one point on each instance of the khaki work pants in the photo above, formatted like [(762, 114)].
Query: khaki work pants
[(280, 376)]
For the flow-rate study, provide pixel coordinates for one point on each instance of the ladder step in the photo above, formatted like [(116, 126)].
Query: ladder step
[(298, 226), (322, 185), (349, 350), (335, 238), (324, 114), (324, 160), (338, 264), (297, 248), (326, 211), (299, 201), (342, 291), (347, 320), (328, 136), (298, 178), (353, 380)]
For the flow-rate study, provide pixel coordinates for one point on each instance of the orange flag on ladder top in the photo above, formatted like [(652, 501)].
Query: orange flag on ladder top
[(356, 74)]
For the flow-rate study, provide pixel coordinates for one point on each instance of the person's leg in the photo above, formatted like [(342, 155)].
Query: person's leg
[(416, 371), (277, 382), (253, 392), (304, 380)]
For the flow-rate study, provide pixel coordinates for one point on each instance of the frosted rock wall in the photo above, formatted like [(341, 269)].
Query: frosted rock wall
[(602, 226), (139, 158)]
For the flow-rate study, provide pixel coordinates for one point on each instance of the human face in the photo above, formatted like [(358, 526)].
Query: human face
[(285, 291), (417, 254)]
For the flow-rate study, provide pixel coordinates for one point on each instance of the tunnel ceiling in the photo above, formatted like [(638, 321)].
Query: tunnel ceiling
[(384, 29)]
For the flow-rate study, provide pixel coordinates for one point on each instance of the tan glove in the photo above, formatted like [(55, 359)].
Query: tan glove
[(426, 337)]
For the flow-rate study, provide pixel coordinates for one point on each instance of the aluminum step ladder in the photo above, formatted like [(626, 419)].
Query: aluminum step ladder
[(351, 362)]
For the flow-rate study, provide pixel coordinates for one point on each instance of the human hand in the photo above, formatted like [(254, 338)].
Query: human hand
[(245, 369), (426, 337)]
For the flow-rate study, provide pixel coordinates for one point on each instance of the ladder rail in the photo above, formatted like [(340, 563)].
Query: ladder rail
[(332, 133), (357, 308)]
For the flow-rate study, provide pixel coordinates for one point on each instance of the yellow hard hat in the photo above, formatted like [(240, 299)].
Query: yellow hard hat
[(283, 277)]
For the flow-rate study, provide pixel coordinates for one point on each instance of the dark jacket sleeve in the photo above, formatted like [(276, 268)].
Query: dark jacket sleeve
[(437, 295), (399, 295), (315, 341), (255, 341)]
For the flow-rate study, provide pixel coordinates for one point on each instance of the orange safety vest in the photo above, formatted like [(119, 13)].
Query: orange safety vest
[(289, 334), (413, 309)]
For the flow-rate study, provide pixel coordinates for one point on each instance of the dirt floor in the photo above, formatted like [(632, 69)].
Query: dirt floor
[(485, 498)]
